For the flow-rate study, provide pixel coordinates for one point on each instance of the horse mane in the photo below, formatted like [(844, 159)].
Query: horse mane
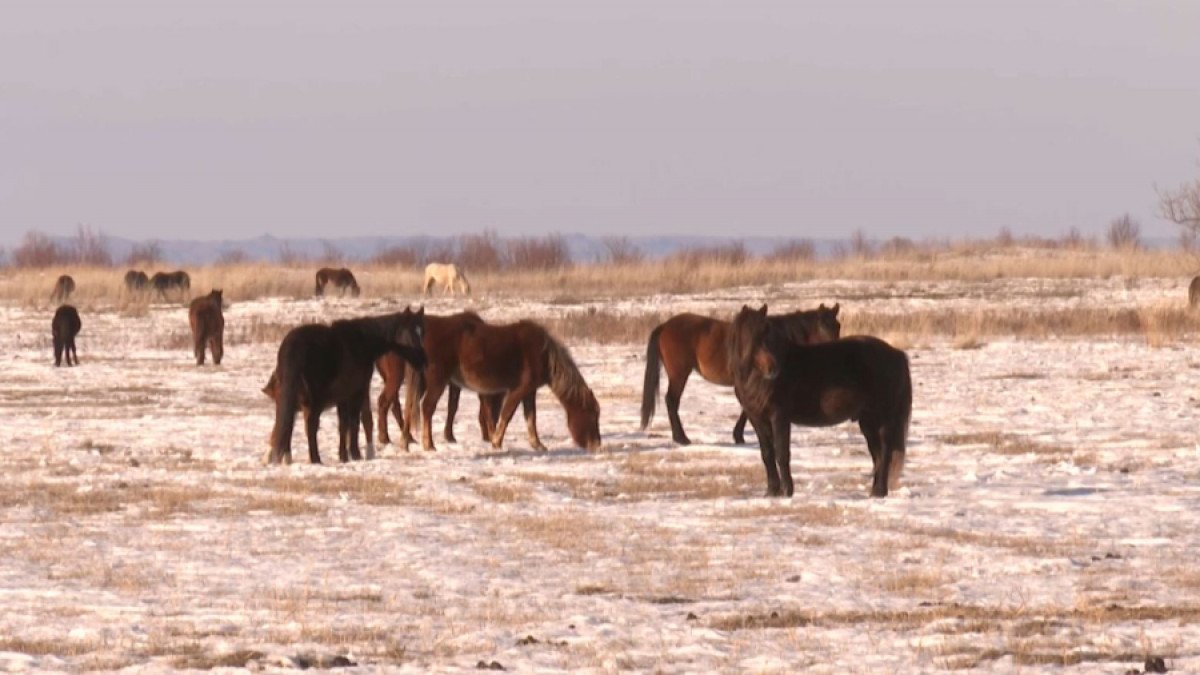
[(565, 380)]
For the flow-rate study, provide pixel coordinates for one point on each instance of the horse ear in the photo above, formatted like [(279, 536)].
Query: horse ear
[(835, 308), (763, 310), (421, 310)]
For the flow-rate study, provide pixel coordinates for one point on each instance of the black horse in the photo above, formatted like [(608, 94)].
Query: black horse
[(780, 383), (171, 281), (320, 366), (64, 328)]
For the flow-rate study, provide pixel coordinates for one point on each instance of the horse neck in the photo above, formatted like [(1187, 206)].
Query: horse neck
[(798, 326), (375, 334)]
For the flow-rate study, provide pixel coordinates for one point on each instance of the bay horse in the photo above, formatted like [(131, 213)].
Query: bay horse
[(63, 328), (342, 279), (446, 276), (207, 321), (271, 389), (331, 366), (688, 342), (136, 281), (780, 383), (511, 361), (1194, 293), (64, 286), (171, 281)]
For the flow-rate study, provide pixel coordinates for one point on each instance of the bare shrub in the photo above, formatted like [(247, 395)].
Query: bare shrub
[(481, 252), (534, 253), (621, 251), (1005, 239), (290, 257), (331, 254), (796, 250), (89, 248), (860, 246), (898, 247), (1124, 233), (38, 250), (1074, 240), (232, 256), (733, 253), (394, 256), (146, 254)]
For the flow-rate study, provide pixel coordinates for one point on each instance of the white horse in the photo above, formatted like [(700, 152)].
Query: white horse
[(447, 276)]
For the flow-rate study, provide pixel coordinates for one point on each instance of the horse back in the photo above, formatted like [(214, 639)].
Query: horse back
[(834, 381), (690, 341)]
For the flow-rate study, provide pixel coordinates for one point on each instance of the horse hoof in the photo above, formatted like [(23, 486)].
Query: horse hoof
[(683, 440)]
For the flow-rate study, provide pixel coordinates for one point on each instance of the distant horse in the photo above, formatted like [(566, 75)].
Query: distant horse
[(331, 365), (208, 326), (688, 342), (64, 327), (1194, 293), (446, 276), (512, 361), (63, 288), (342, 279), (171, 281), (136, 281), (780, 383), (271, 389)]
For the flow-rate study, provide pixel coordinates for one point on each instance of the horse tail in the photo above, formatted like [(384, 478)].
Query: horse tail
[(896, 433), (650, 385), (287, 405)]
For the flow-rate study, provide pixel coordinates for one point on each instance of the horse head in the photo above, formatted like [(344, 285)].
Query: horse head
[(754, 345)]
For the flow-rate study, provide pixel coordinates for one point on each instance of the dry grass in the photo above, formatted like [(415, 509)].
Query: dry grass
[(1007, 444)]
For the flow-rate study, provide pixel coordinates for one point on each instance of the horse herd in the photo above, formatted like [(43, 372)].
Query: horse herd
[(785, 369)]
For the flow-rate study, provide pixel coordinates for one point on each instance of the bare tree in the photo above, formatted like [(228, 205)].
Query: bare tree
[(621, 251), (148, 253), (1182, 206), (1125, 232), (90, 248)]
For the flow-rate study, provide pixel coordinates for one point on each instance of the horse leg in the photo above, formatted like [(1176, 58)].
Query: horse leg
[(345, 423), (739, 429), (74, 352), (312, 420), (217, 344), (433, 391), (354, 414), (198, 347), (367, 423), (781, 429), (385, 402), (415, 383), (506, 412), (451, 411), (870, 431), (489, 405), (767, 447), (675, 385), (529, 404)]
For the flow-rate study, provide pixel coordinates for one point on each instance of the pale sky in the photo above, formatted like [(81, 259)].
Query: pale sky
[(234, 119)]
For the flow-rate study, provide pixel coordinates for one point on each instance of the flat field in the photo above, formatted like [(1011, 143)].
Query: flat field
[(1049, 514)]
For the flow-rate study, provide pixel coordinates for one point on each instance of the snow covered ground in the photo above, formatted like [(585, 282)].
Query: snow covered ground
[(1049, 517)]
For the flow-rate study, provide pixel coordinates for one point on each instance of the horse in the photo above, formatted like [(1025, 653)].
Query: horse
[(64, 327), (447, 276), (511, 361), (271, 389), (166, 281), (331, 365), (1194, 293), (208, 326), (342, 279), (688, 342), (63, 288), (780, 383), (136, 281)]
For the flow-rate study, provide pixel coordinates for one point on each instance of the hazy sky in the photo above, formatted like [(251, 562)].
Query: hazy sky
[(233, 119)]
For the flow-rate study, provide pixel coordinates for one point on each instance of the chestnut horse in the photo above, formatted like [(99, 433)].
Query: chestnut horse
[(511, 361), (63, 328), (207, 321), (332, 365), (342, 279), (780, 383), (688, 342)]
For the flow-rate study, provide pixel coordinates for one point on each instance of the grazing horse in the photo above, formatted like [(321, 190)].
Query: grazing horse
[(208, 326), (511, 361), (446, 276), (64, 327), (63, 288), (1194, 293), (136, 281), (271, 389), (688, 342), (780, 383), (331, 365), (167, 281), (342, 279)]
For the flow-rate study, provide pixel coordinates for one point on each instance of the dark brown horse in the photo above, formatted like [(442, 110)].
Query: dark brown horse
[(512, 361), (171, 281), (271, 389), (64, 327), (331, 365), (688, 342), (342, 279), (63, 288), (1194, 293), (208, 326), (780, 383), (136, 281)]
